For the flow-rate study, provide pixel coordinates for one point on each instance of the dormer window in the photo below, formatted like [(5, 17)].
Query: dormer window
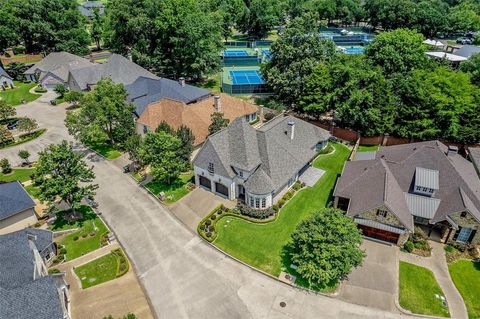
[(240, 173), (382, 213), (211, 168), (426, 181)]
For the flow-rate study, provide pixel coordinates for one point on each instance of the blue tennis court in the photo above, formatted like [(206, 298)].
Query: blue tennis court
[(266, 53), (354, 50), (246, 77), (230, 53)]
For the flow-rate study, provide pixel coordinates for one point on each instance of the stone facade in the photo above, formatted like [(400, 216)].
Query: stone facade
[(390, 219), (468, 222)]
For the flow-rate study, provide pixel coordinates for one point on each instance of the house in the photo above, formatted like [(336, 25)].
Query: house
[(467, 51), (458, 56), (26, 289), (424, 184), (16, 208), (6, 81), (474, 155), (196, 116), (55, 69), (257, 165), (87, 8), (118, 68)]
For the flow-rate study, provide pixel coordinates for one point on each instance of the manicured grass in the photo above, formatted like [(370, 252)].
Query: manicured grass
[(173, 192), (262, 245), (466, 276), (25, 138), (106, 150), (19, 93), (212, 83), (418, 287), (17, 174), (89, 236), (32, 190), (97, 271), (368, 148)]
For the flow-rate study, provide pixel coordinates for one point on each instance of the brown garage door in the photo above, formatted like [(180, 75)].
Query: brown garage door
[(205, 182), (221, 189), (379, 234)]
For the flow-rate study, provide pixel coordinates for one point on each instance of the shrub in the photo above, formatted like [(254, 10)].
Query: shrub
[(449, 248), (92, 234), (84, 235), (61, 257), (56, 261), (63, 251), (39, 89), (5, 165), (275, 208), (37, 224), (54, 271), (209, 234), (281, 202), (213, 217), (255, 213), (409, 246), (268, 116), (202, 227), (18, 50), (75, 238)]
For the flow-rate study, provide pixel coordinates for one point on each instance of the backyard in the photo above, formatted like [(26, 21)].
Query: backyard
[(88, 237), (418, 291), (20, 92), (466, 276), (368, 148), (102, 269), (173, 192), (262, 245)]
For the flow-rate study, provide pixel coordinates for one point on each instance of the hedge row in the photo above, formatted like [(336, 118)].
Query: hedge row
[(122, 262)]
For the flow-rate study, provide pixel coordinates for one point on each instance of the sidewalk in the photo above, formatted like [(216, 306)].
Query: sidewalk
[(438, 264)]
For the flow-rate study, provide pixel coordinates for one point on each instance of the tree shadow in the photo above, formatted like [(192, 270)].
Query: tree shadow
[(64, 222)]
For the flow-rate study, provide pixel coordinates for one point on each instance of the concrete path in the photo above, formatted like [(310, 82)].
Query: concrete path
[(184, 277), (117, 297), (311, 176), (438, 264)]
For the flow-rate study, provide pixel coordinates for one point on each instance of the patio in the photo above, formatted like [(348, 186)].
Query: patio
[(311, 176)]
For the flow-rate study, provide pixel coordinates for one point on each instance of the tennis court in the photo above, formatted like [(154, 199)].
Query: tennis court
[(231, 53), (354, 50), (246, 77)]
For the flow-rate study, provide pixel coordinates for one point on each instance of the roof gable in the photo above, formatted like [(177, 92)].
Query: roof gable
[(13, 199)]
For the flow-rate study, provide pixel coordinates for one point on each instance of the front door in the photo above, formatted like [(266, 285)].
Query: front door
[(241, 192)]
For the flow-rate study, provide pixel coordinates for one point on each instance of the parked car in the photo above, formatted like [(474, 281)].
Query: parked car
[(464, 41), (12, 125)]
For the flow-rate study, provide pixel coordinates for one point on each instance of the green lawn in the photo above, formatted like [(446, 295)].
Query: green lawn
[(106, 150), (418, 287), (173, 192), (25, 138), (261, 245), (212, 83), (19, 93), (17, 174), (87, 238), (97, 271), (32, 190), (368, 148), (466, 276)]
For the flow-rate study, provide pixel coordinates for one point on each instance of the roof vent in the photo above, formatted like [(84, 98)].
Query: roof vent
[(452, 150), (182, 81)]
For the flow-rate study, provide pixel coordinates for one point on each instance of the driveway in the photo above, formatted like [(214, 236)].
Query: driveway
[(191, 209), (47, 116), (184, 277), (375, 283)]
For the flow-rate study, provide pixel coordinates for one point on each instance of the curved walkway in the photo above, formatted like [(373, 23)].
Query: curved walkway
[(438, 264)]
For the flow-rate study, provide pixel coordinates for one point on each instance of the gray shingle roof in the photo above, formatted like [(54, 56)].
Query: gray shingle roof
[(458, 183), (117, 67), (13, 199), (4, 73), (146, 90), (21, 296), (467, 51), (475, 157), (267, 149), (59, 64), (426, 178)]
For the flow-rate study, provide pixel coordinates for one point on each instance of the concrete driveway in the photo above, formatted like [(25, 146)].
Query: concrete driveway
[(375, 283), (184, 277), (47, 116)]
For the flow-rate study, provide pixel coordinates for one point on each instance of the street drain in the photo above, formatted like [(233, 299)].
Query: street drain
[(282, 304)]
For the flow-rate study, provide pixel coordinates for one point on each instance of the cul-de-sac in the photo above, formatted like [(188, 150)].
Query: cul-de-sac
[(239, 159)]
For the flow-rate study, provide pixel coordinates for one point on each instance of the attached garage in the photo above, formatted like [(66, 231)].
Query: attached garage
[(379, 234), (205, 182), (221, 189)]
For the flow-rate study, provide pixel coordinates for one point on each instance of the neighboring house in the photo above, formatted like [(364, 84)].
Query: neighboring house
[(196, 116), (467, 51), (55, 69), (147, 90), (6, 81), (474, 155), (16, 208), (26, 289), (258, 165), (87, 8), (118, 68), (426, 184), (458, 56)]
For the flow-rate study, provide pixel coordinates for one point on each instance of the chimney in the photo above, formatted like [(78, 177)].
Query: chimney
[(452, 150), (291, 128), (218, 104), (261, 112), (129, 55), (182, 81)]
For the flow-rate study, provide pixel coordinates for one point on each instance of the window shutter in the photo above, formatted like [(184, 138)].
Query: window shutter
[(472, 235), (457, 232)]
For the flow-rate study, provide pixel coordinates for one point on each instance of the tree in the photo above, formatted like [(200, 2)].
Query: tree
[(326, 247), (5, 165), (187, 139), (26, 124), (132, 146), (400, 51), (218, 122), (60, 89), (24, 155), (96, 28), (230, 12), (6, 110), (162, 152), (260, 16), (16, 69), (73, 97), (6, 136), (294, 55), (391, 14), (464, 17), (164, 127), (430, 17), (62, 174), (471, 66), (104, 115)]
